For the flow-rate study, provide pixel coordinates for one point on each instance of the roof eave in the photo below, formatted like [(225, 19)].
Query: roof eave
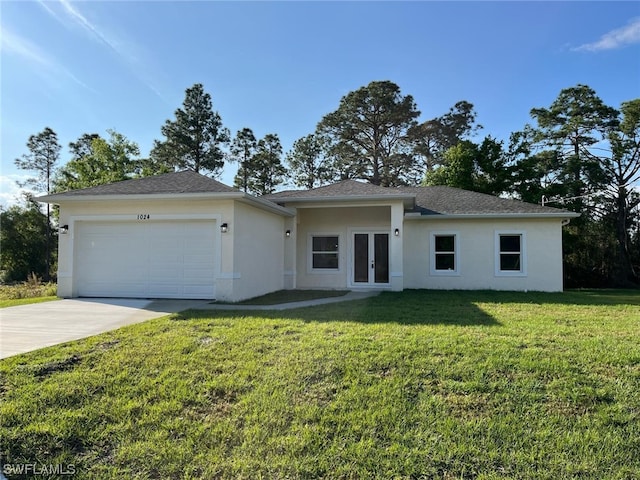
[(461, 216), (63, 198), (267, 205), (258, 202), (406, 199)]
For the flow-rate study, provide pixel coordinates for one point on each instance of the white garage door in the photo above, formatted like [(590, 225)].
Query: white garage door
[(164, 259)]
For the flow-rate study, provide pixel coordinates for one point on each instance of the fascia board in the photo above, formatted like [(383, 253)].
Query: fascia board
[(461, 216), (260, 203)]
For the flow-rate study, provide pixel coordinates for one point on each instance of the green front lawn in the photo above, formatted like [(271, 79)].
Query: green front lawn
[(27, 292), (440, 384), (25, 301)]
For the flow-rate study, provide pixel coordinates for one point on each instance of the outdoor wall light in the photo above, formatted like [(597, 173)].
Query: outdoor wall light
[(396, 232), (288, 233), (224, 228), (63, 230)]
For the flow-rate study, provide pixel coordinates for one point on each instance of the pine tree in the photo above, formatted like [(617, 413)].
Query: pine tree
[(194, 138), (267, 171), (44, 153), (243, 149)]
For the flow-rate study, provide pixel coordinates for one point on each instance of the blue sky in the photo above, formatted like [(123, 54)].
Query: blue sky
[(278, 67)]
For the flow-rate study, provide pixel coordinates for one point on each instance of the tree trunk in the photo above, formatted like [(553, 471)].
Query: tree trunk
[(625, 274)]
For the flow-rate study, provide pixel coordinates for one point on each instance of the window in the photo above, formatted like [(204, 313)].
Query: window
[(324, 252), (444, 256), (510, 253)]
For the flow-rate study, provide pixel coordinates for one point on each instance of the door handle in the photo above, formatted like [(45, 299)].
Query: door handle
[(372, 265)]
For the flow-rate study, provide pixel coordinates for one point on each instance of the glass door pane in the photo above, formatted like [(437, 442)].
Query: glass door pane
[(361, 257), (381, 257)]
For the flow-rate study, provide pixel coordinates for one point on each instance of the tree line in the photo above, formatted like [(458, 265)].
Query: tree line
[(578, 153)]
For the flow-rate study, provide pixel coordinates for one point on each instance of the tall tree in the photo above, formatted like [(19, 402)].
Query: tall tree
[(96, 161), (44, 153), (267, 171), (243, 148), (308, 165), (194, 139), (368, 133), (23, 238), (577, 157), (83, 147), (533, 178), (480, 168), (623, 170), (434, 137), (573, 126)]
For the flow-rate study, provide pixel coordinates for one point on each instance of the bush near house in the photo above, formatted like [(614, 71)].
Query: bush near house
[(418, 384), (31, 291)]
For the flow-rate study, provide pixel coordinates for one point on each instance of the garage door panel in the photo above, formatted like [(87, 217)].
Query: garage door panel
[(198, 291), (149, 260), (103, 289)]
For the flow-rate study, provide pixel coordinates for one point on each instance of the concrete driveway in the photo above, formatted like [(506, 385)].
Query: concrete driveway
[(30, 327)]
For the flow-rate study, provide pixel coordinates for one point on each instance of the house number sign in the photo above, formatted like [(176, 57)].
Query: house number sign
[(144, 216)]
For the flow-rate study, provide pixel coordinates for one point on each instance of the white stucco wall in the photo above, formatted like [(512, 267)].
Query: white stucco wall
[(242, 268), (258, 255), (476, 254), (339, 221)]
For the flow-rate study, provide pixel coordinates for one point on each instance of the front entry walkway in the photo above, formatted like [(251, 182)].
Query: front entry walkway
[(286, 306)]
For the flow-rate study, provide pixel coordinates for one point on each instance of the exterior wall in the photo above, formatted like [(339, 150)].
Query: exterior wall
[(219, 211), (258, 255), (476, 254), (290, 275), (335, 221)]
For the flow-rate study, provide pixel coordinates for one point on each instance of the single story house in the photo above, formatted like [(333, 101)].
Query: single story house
[(184, 235)]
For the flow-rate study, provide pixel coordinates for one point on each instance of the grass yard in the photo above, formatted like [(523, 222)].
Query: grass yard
[(14, 302), (421, 383), (28, 292)]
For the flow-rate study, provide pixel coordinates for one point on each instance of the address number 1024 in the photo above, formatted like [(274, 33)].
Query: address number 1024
[(144, 216)]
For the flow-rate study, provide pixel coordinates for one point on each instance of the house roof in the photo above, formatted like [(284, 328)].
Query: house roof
[(424, 201), (441, 200), (341, 191), (342, 188), (184, 184), (186, 181)]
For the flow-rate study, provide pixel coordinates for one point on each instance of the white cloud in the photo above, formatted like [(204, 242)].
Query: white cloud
[(10, 192), (123, 48), (45, 64), (618, 38)]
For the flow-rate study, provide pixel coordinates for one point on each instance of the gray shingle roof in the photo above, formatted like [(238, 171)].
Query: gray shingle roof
[(433, 200), (345, 188), (186, 181), (441, 200)]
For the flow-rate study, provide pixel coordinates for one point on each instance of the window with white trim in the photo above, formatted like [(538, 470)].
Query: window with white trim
[(510, 253), (444, 253), (325, 252)]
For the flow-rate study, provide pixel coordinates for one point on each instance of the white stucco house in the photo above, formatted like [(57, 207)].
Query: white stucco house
[(184, 235)]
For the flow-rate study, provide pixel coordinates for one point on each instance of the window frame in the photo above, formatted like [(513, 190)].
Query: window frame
[(311, 252), (456, 253), (523, 253)]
